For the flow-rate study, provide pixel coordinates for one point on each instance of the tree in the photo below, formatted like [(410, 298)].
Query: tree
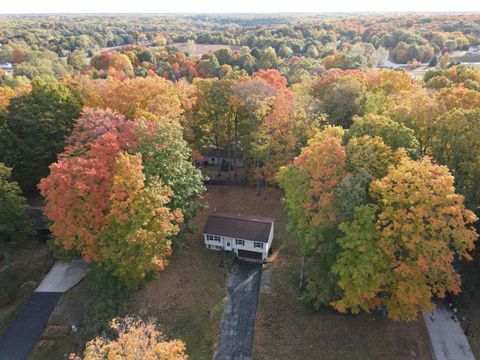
[(6, 94), (342, 100), (15, 224), (133, 97), (361, 267), (423, 225), (370, 154), (225, 56), (134, 339), (455, 143), (268, 60), (254, 98), (39, 122), (109, 196), (167, 157), (393, 134), (394, 82), (77, 59), (136, 239), (114, 60), (417, 110), (352, 192), (310, 201)]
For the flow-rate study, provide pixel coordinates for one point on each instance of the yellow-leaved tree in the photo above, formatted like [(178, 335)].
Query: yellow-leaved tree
[(135, 339)]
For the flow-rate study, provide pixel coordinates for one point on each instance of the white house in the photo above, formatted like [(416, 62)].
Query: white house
[(6, 66), (220, 157), (249, 237)]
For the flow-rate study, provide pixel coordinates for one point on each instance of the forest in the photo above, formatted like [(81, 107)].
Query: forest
[(109, 119)]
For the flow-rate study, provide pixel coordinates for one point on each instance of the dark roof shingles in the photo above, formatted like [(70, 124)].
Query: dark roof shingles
[(247, 227)]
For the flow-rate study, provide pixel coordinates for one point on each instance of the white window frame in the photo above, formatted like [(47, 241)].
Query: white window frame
[(213, 238), (240, 242), (258, 244)]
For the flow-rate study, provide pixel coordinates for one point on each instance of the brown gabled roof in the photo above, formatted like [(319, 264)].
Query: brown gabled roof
[(247, 227)]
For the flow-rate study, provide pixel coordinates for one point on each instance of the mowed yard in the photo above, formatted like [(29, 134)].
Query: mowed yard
[(188, 297)]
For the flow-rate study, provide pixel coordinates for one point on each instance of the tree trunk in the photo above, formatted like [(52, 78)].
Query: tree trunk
[(235, 124), (301, 283), (258, 178), (6, 260), (229, 136), (219, 158)]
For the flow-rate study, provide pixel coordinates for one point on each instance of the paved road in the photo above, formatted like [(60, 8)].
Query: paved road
[(21, 336), (447, 337), (238, 321)]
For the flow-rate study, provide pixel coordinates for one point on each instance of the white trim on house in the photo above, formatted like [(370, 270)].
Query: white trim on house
[(215, 242)]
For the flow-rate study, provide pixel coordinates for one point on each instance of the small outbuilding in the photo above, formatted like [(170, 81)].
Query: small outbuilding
[(248, 236), (221, 157)]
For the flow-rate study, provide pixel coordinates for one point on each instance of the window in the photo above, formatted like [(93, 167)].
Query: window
[(218, 247), (239, 242), (257, 244), (213, 238)]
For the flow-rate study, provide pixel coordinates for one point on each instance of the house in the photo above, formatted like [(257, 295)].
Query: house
[(220, 157), (6, 66), (249, 237)]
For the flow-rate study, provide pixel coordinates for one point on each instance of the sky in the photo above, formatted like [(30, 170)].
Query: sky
[(235, 6)]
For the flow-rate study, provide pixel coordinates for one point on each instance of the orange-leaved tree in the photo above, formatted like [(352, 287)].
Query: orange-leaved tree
[(135, 339), (112, 207)]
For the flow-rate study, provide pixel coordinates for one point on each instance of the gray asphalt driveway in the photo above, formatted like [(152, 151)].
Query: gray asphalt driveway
[(235, 341), (20, 337), (447, 337)]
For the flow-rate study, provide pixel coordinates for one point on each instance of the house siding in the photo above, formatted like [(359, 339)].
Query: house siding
[(248, 244)]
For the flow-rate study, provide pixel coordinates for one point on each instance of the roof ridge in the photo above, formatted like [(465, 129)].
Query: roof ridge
[(244, 217)]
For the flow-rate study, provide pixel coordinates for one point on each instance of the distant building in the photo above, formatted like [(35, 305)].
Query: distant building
[(249, 237), (6, 66), (219, 157)]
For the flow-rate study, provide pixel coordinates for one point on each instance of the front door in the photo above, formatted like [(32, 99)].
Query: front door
[(228, 245)]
